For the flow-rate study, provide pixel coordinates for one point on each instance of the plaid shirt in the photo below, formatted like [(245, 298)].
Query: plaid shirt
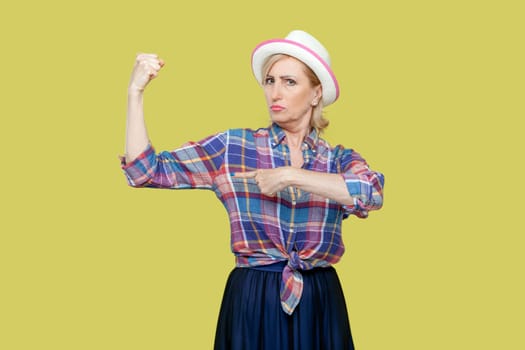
[(301, 228)]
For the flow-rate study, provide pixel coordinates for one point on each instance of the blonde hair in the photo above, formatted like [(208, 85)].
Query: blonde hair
[(317, 121)]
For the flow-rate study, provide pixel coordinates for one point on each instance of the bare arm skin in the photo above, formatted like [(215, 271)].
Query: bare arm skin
[(147, 67), (271, 181)]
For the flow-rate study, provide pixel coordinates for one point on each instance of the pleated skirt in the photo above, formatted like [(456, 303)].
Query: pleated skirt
[(251, 317)]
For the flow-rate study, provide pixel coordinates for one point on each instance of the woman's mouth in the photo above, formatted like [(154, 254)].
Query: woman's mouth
[(276, 108)]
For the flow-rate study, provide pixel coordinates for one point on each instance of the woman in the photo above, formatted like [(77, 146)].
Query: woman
[(286, 191)]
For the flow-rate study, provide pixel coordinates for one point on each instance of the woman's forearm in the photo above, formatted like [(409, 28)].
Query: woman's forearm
[(271, 181), (136, 133), (330, 186), (146, 68)]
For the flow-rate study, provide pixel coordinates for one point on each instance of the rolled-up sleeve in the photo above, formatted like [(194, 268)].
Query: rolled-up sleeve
[(363, 184), (138, 171), (194, 165)]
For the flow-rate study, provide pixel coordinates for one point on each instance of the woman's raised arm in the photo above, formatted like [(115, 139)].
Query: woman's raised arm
[(147, 67)]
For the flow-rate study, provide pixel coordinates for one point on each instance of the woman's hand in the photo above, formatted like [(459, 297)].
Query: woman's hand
[(147, 67), (270, 181)]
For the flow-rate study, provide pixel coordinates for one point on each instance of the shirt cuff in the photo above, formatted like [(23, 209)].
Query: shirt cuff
[(355, 209), (355, 189), (139, 170)]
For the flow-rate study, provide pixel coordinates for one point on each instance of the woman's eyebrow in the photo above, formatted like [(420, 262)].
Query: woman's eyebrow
[(282, 76), (287, 77)]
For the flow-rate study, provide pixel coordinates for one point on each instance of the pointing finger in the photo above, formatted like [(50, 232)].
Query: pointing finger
[(245, 175)]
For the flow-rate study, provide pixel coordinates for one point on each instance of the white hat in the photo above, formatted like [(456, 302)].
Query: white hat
[(305, 48)]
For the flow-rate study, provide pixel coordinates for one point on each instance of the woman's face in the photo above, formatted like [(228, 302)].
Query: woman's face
[(289, 93)]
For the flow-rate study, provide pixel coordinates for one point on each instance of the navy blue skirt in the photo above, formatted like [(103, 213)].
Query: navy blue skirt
[(251, 317)]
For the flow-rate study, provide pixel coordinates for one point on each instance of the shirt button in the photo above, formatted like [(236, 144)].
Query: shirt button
[(291, 230), (294, 202)]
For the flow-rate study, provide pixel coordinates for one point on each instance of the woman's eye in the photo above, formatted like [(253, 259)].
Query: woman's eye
[(290, 82), (268, 81)]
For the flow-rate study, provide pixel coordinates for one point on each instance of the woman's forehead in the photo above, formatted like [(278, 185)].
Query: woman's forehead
[(287, 66)]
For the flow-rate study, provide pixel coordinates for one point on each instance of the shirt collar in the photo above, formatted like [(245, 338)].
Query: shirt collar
[(312, 139), (277, 136)]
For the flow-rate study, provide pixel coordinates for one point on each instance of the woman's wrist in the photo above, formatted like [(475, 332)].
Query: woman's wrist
[(134, 91), (292, 177)]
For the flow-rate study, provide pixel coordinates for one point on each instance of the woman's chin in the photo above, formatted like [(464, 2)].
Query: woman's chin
[(278, 117)]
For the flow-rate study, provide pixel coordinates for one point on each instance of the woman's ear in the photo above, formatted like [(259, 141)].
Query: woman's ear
[(318, 92), (318, 95)]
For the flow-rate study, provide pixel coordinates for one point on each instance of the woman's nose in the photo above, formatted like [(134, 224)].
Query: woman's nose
[(276, 91)]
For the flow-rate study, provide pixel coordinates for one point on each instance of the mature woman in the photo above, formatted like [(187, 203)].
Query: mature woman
[(286, 191)]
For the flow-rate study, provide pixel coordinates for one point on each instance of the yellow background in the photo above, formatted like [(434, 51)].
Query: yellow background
[(431, 95)]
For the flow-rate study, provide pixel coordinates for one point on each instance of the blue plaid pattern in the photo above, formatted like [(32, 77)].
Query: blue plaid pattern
[(301, 228)]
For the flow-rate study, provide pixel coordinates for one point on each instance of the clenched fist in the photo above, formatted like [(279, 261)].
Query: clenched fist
[(147, 67)]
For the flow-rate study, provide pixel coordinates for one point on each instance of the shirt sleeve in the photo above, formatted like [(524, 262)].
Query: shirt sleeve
[(363, 184), (194, 165)]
